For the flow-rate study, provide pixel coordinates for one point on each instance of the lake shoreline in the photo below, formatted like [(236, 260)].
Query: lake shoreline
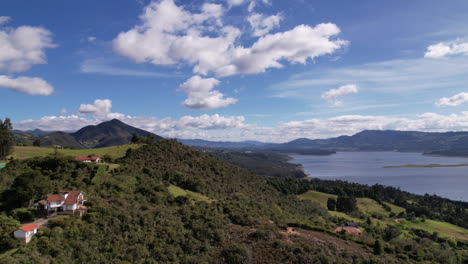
[(420, 174)]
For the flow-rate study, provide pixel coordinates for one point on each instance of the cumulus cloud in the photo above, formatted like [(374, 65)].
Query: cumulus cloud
[(4, 19), (27, 85), (20, 49), (202, 96), (23, 47), (441, 50), (262, 24), (234, 128), (100, 109), (333, 94), (455, 100), (170, 35)]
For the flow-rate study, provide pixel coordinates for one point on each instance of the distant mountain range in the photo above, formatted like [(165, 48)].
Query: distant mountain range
[(446, 143), (115, 132), (106, 134)]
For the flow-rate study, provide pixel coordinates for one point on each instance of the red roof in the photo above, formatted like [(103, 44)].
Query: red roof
[(55, 198), (87, 158), (72, 197), (29, 227), (349, 230)]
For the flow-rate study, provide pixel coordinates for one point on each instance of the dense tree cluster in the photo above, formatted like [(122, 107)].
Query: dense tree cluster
[(134, 218), (6, 138)]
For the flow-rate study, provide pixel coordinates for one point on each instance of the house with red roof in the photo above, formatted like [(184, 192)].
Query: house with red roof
[(350, 230), (66, 201), (89, 159), (26, 232)]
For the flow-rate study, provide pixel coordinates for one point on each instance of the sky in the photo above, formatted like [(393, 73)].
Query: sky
[(234, 70)]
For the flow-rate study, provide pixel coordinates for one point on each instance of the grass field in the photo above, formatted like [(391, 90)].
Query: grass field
[(29, 152), (395, 209), (100, 173), (443, 228), (370, 206), (177, 191), (318, 197)]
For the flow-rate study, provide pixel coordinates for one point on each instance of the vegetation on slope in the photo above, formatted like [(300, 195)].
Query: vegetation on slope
[(134, 218), (114, 152)]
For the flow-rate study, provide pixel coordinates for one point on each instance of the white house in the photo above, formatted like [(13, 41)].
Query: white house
[(89, 159), (65, 201), (26, 232)]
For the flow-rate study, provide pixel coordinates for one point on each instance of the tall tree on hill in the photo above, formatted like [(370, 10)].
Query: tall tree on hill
[(6, 138)]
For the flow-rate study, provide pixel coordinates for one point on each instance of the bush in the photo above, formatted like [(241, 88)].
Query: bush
[(24, 214)]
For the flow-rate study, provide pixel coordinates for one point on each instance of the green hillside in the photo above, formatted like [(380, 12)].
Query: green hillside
[(369, 207), (168, 203), (30, 152)]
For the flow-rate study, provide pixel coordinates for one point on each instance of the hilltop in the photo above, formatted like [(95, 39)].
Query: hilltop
[(105, 134), (167, 202)]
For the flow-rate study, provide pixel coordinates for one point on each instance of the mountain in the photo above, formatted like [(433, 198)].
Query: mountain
[(36, 132), (110, 133), (221, 144), (443, 143), (60, 139), (106, 134)]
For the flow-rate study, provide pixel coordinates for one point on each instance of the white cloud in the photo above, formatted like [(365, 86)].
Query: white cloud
[(91, 39), (441, 50), (23, 47), (235, 2), (333, 94), (202, 96), (100, 109), (262, 24), (170, 35), (393, 76), (63, 111), (234, 128), (455, 100), (27, 85), (4, 19)]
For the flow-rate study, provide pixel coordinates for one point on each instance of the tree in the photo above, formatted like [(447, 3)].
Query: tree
[(151, 139), (37, 143), (331, 204), (6, 138), (7, 226), (346, 204), (378, 247)]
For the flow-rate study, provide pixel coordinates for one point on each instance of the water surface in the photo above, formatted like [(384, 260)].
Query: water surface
[(368, 168)]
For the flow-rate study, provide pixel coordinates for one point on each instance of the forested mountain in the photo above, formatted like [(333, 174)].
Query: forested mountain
[(368, 140), (135, 216), (110, 133), (106, 134)]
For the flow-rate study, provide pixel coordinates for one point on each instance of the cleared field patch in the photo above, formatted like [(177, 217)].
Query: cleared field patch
[(395, 209), (318, 197), (114, 152), (370, 206), (443, 228), (100, 174), (177, 191)]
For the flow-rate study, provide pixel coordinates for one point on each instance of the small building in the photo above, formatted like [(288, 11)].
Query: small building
[(66, 201), (350, 230), (89, 159), (26, 232)]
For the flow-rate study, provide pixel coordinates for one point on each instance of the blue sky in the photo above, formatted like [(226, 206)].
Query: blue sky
[(265, 70)]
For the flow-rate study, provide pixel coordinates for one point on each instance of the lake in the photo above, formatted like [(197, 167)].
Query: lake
[(368, 168)]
